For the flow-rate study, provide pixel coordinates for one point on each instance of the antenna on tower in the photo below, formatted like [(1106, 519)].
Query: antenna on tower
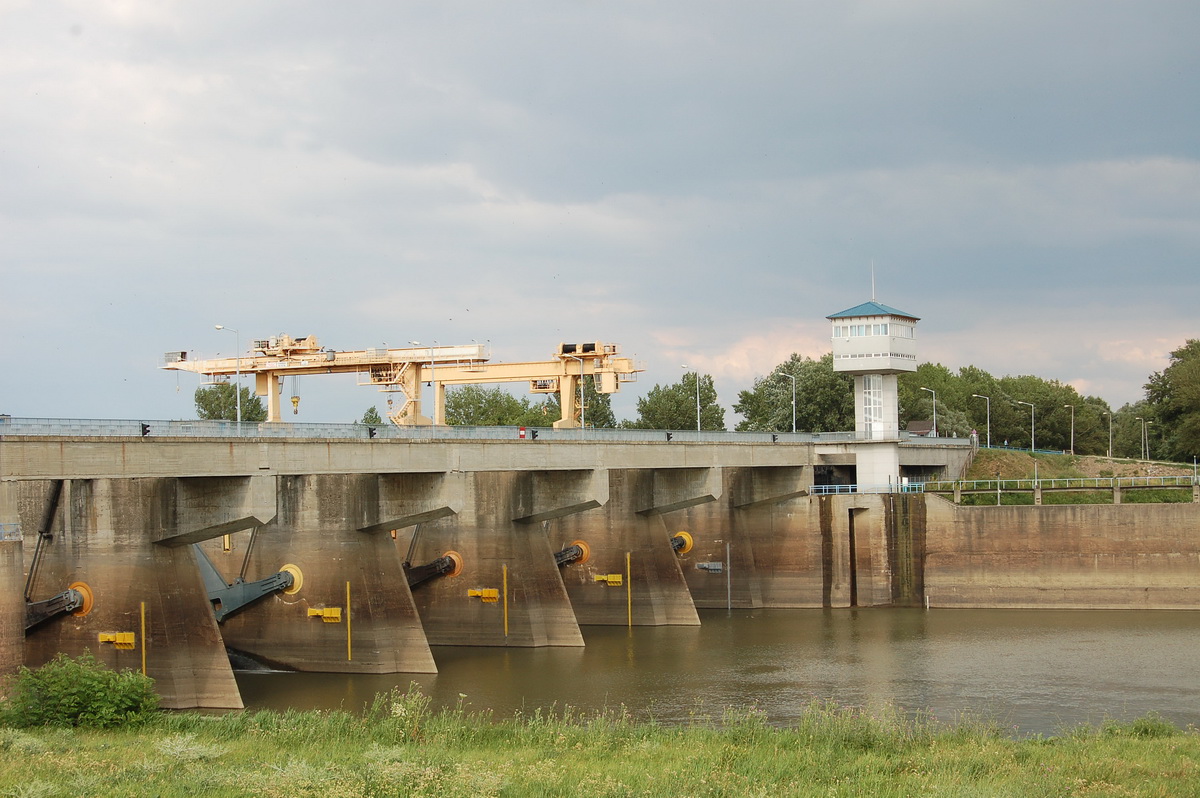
[(872, 279)]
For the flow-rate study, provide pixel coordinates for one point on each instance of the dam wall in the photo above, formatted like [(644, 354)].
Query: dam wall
[(338, 531)]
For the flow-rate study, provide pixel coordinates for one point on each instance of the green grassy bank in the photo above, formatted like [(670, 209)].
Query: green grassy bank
[(399, 747)]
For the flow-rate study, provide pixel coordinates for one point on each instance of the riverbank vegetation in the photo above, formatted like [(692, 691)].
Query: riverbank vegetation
[(991, 465), (399, 746)]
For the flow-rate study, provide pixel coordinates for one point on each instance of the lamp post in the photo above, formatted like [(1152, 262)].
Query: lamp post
[(237, 390), (989, 416), (582, 417), (685, 368), (934, 432), (1072, 427), (1142, 441), (1109, 434), (1032, 431), (792, 377)]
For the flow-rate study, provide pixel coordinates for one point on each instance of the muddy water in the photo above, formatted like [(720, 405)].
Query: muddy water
[(1034, 671)]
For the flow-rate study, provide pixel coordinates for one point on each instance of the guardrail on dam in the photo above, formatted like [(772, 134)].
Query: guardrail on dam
[(357, 554)]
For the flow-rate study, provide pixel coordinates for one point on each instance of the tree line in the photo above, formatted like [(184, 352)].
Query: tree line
[(808, 395)]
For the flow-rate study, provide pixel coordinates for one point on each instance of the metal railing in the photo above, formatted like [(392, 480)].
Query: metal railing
[(106, 428), (1074, 483), (891, 487)]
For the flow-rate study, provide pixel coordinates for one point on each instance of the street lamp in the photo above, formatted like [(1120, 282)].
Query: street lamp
[(1032, 433), (582, 417), (989, 416), (1143, 438), (1072, 427), (685, 368), (1109, 434), (934, 432), (237, 391), (791, 377)]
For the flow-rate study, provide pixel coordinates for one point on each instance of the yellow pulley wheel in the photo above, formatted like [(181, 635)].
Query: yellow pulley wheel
[(297, 578), (88, 598), (458, 563), (687, 542), (585, 548)]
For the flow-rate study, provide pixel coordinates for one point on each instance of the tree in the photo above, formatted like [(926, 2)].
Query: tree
[(1173, 395), (674, 406), (474, 405), (1127, 430), (219, 403), (824, 398), (371, 417)]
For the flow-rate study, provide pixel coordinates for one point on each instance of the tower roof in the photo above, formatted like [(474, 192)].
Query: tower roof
[(872, 308)]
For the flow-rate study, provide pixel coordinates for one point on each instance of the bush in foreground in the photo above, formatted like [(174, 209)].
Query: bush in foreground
[(78, 692)]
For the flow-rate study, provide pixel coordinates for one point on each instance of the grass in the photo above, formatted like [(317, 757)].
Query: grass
[(399, 747)]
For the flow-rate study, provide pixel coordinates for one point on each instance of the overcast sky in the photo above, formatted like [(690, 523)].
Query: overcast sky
[(700, 182)]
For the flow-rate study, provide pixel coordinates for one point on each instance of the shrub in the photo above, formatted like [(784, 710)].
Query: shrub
[(78, 692)]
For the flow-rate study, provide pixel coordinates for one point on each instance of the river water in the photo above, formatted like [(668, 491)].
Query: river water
[(1033, 671)]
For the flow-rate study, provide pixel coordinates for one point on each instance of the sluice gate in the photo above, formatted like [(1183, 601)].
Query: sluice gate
[(354, 556)]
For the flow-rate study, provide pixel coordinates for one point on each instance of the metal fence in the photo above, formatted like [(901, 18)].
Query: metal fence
[(891, 487), (229, 429), (1081, 483)]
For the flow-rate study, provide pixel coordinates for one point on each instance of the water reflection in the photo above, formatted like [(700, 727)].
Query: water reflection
[(1038, 670)]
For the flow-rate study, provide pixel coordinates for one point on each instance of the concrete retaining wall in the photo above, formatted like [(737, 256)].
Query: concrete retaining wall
[(1144, 556)]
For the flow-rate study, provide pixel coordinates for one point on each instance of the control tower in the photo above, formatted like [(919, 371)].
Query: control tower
[(874, 343)]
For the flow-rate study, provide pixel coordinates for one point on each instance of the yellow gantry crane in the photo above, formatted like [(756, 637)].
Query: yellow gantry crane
[(404, 370)]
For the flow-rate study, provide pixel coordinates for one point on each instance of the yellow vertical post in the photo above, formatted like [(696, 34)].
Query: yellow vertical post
[(505, 573), (628, 590), (143, 638), (349, 653)]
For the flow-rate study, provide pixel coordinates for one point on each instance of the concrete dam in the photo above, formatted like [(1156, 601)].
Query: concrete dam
[(166, 553)]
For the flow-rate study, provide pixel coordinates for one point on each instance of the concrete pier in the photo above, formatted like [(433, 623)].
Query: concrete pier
[(12, 582), (102, 536), (377, 629), (509, 592)]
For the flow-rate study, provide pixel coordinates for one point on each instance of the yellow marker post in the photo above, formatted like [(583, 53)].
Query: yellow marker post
[(505, 573), (349, 655), (628, 590), (143, 638)]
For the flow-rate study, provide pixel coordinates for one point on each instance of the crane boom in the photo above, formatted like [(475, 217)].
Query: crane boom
[(403, 370)]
